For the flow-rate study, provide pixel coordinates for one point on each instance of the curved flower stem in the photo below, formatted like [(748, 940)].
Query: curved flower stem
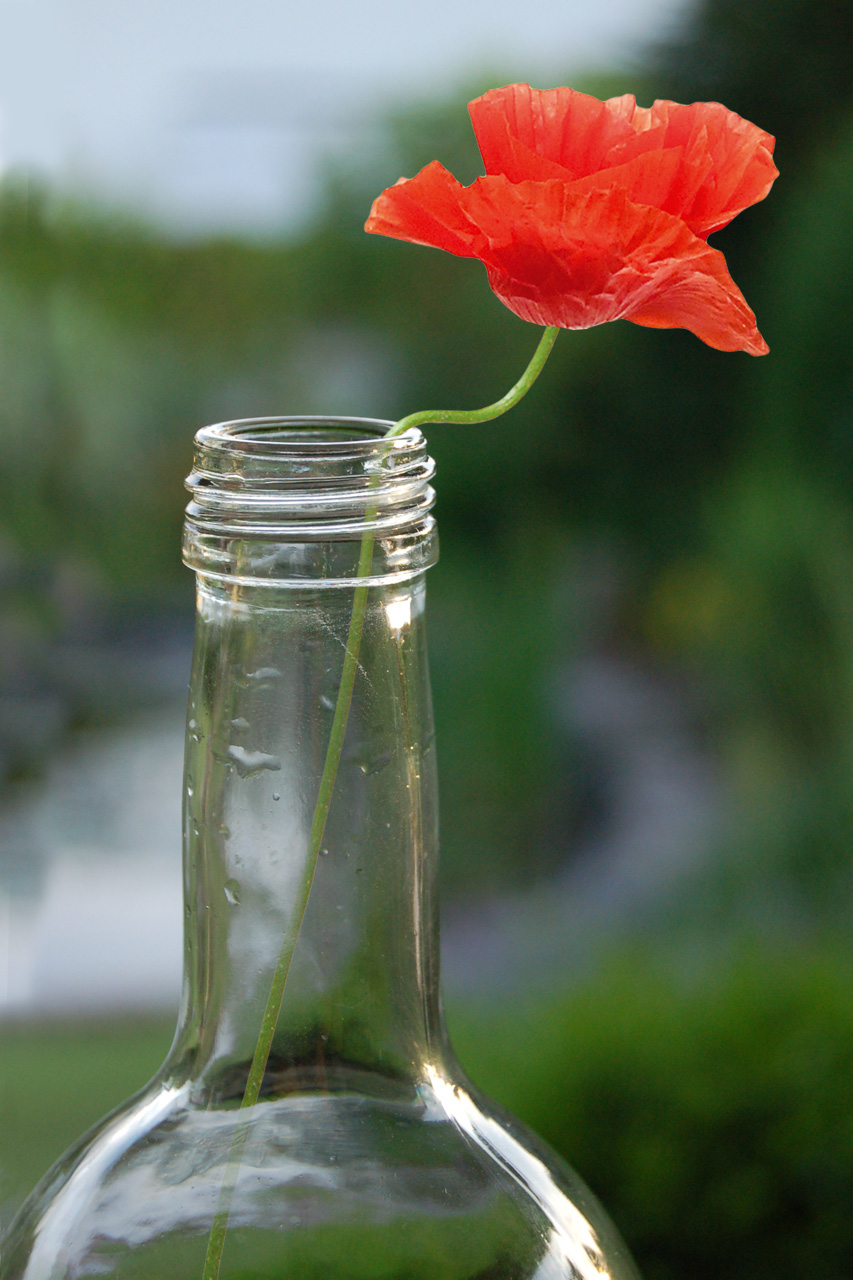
[(216, 1240), (512, 397)]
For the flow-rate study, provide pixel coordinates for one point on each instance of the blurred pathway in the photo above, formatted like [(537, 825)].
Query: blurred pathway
[(90, 874), (662, 812)]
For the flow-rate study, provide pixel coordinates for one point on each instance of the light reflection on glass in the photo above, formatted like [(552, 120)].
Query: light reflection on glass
[(399, 613), (575, 1243)]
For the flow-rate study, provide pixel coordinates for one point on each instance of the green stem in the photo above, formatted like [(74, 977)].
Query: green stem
[(512, 397), (216, 1241)]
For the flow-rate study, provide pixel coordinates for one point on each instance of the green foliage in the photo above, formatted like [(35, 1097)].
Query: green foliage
[(759, 601), (782, 63)]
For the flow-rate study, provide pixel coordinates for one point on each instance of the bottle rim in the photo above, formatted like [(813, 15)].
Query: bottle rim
[(308, 479), (277, 433)]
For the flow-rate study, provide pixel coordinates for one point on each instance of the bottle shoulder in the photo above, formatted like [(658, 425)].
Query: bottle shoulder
[(351, 1183)]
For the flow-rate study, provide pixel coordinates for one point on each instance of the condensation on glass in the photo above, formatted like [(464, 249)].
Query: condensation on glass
[(368, 1155)]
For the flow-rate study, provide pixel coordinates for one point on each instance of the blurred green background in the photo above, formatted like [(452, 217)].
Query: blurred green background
[(663, 509)]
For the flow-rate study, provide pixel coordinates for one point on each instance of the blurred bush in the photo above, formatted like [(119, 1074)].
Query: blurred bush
[(710, 1113)]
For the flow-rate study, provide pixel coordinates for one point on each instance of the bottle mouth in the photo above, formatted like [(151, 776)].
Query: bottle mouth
[(263, 483)]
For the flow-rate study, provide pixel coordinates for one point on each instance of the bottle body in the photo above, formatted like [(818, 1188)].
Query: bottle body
[(367, 1154)]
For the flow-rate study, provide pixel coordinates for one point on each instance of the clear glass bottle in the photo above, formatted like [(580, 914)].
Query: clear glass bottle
[(368, 1155)]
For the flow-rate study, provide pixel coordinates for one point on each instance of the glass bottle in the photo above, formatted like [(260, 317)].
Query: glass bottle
[(368, 1155)]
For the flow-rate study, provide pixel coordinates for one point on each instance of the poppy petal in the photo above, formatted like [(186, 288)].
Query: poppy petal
[(694, 290), (558, 255), (655, 178), (741, 165), (560, 126), (426, 209), (726, 164)]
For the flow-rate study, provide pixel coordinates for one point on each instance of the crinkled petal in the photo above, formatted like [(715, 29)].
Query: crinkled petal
[(427, 209), (565, 128), (557, 255), (654, 178), (504, 153), (740, 171), (725, 163)]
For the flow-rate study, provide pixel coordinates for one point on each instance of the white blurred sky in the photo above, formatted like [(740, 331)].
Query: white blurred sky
[(210, 114)]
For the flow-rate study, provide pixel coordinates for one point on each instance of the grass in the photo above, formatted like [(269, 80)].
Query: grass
[(57, 1079)]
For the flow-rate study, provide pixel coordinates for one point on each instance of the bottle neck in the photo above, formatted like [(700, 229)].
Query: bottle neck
[(274, 530), (361, 993)]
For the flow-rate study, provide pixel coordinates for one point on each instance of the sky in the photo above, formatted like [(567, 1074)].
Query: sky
[(207, 114)]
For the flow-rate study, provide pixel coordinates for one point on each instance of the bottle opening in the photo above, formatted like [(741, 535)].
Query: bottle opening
[(257, 436), (268, 493)]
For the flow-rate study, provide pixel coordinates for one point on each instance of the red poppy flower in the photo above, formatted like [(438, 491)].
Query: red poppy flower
[(593, 211)]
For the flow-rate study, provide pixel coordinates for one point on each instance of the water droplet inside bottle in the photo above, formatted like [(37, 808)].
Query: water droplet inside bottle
[(232, 892), (224, 831), (324, 853), (248, 763), (263, 675), (276, 795), (327, 701), (241, 724)]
